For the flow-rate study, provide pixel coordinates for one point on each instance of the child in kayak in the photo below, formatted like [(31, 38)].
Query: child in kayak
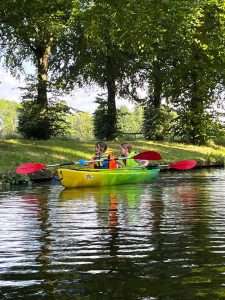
[(104, 158), (127, 151)]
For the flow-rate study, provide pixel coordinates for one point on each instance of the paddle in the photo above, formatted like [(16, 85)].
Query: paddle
[(181, 165), (28, 168)]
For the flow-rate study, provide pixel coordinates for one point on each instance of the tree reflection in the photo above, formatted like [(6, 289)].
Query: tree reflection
[(39, 203)]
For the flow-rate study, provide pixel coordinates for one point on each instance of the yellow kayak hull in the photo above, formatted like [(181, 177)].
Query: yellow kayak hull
[(72, 178)]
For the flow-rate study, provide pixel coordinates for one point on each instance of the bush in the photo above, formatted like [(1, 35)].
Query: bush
[(157, 122), (8, 118), (81, 126), (42, 122), (192, 127)]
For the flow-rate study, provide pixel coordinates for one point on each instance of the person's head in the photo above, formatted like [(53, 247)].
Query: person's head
[(100, 147), (125, 148)]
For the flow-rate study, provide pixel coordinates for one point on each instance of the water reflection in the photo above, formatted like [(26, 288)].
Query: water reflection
[(159, 241)]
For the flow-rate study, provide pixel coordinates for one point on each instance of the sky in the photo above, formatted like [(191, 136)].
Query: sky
[(81, 99)]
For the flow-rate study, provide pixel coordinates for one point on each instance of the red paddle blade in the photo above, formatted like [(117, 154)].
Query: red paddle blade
[(28, 168), (183, 165), (148, 155)]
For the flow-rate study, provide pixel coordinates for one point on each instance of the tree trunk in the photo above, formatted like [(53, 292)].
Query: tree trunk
[(152, 115), (157, 86), (112, 114), (42, 76), (111, 71), (197, 110), (198, 96)]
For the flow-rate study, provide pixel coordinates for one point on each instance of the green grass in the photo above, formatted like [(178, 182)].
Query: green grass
[(16, 151)]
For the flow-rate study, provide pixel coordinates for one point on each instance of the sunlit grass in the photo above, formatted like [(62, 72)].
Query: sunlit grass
[(16, 151)]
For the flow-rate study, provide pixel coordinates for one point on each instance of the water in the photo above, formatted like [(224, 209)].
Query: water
[(164, 241)]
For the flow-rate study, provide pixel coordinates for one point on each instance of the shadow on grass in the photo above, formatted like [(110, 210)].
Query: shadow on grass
[(176, 151), (14, 152)]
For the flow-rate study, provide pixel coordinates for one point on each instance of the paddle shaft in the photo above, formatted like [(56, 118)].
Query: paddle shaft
[(145, 155), (27, 168), (89, 161)]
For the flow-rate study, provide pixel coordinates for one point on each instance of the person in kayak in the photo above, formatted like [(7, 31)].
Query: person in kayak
[(103, 158), (127, 151)]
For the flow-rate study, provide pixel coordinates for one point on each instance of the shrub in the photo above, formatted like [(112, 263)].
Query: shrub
[(40, 122), (157, 122)]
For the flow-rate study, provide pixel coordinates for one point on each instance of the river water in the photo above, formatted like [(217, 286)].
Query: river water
[(165, 240)]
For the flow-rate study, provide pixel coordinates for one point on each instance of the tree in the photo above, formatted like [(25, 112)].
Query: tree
[(81, 126), (130, 122), (30, 31), (199, 74), (104, 57), (158, 32), (101, 120), (162, 45), (109, 59), (8, 117), (51, 121), (179, 45)]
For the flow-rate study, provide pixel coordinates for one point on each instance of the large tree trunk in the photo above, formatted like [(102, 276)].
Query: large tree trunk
[(157, 86), (112, 114), (42, 76), (42, 125), (197, 109), (152, 117), (111, 99), (198, 96)]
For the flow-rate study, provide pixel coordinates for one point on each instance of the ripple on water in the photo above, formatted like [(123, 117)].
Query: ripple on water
[(165, 240)]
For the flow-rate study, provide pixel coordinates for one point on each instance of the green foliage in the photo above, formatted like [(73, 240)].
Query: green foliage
[(101, 120), (180, 46), (8, 116), (10, 179), (81, 126), (31, 26), (42, 123), (193, 128), (130, 122), (174, 48), (108, 59), (157, 122), (107, 56), (199, 69), (30, 30), (218, 132)]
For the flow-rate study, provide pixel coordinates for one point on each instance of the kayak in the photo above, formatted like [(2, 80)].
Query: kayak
[(72, 178)]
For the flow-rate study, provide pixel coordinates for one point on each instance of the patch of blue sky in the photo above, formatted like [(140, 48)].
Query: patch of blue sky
[(82, 99)]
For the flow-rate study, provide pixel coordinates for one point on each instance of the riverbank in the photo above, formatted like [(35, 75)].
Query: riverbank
[(16, 151)]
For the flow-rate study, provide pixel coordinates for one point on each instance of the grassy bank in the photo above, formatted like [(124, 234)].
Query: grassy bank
[(16, 151)]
